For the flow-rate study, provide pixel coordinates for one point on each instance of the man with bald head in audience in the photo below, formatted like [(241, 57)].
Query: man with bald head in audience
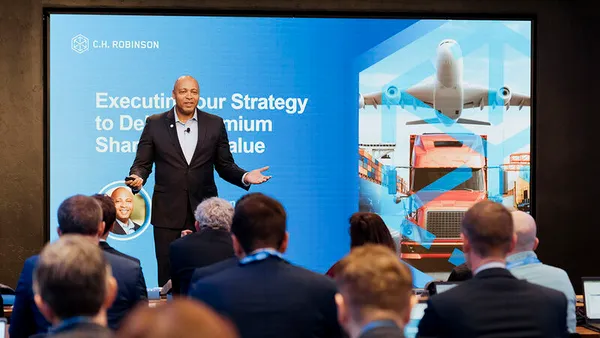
[(523, 263), (494, 303)]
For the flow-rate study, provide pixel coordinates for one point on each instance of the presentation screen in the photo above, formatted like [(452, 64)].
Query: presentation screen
[(413, 119)]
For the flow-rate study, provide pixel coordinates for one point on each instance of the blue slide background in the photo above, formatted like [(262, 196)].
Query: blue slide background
[(312, 156)]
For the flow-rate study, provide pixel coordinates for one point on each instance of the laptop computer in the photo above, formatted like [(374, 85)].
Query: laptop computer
[(412, 327), (439, 287), (591, 300)]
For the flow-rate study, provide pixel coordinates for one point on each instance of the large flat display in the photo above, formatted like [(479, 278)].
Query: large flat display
[(435, 112)]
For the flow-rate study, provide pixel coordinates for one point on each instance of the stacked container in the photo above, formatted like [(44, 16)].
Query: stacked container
[(368, 167)]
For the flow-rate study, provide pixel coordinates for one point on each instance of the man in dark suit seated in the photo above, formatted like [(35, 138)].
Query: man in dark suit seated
[(210, 244), (493, 303), (80, 215), (264, 295), (74, 263), (109, 217), (375, 293)]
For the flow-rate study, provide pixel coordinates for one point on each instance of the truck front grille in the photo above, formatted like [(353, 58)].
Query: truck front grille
[(444, 224)]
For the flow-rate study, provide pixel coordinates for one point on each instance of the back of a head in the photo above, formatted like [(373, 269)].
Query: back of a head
[(525, 230), (488, 226), (80, 215), (214, 213), (373, 280), (368, 227), (259, 221), (179, 318), (71, 277), (109, 212)]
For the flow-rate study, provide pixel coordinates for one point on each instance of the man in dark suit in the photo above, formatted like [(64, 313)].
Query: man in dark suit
[(375, 293), (493, 303), (264, 295), (186, 145), (78, 215), (210, 270), (74, 263), (109, 216), (210, 244)]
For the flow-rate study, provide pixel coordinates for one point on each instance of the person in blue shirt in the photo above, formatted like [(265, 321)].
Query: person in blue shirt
[(523, 263)]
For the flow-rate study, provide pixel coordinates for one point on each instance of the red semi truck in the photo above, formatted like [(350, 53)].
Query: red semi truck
[(432, 156)]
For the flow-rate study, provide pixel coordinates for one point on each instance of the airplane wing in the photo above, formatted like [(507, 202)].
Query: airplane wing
[(482, 97), (415, 96)]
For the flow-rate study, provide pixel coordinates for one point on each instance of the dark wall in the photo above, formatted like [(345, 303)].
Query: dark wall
[(565, 121)]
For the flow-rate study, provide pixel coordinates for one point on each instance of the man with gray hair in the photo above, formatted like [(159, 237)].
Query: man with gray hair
[(523, 263), (211, 243), (73, 287)]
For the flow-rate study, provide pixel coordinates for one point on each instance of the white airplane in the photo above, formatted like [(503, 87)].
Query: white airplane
[(448, 95)]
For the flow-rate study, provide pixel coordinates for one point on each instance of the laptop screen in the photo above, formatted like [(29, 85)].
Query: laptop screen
[(442, 287), (410, 330), (591, 292)]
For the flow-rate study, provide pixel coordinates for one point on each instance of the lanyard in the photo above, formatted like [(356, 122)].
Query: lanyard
[(260, 255), (376, 324), (526, 261), (69, 322)]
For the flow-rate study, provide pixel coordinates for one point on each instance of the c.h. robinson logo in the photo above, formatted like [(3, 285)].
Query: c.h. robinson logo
[(80, 44)]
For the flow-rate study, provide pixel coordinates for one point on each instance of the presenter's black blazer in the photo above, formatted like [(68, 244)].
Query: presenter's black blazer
[(272, 299), (176, 182), (496, 304)]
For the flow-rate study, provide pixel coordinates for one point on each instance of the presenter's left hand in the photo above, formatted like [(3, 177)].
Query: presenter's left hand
[(256, 177)]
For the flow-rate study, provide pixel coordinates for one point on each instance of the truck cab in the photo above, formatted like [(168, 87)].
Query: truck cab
[(443, 200)]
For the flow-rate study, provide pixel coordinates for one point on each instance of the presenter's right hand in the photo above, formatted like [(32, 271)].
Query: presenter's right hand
[(136, 183)]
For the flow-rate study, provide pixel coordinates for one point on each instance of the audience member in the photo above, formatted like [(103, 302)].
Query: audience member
[(494, 302), (109, 216), (210, 244), (365, 228), (264, 295), (73, 287), (460, 273), (180, 318), (523, 263), (78, 215), (375, 293)]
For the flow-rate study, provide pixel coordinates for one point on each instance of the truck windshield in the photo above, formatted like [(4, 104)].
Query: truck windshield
[(424, 177)]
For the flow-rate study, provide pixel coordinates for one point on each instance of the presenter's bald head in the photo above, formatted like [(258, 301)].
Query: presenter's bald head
[(186, 93)]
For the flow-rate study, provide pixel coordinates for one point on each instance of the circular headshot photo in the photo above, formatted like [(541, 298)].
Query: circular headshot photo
[(133, 211)]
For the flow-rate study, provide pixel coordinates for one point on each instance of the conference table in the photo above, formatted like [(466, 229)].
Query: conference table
[(584, 332)]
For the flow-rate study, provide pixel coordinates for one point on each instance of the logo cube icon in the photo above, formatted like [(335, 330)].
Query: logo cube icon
[(80, 44)]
